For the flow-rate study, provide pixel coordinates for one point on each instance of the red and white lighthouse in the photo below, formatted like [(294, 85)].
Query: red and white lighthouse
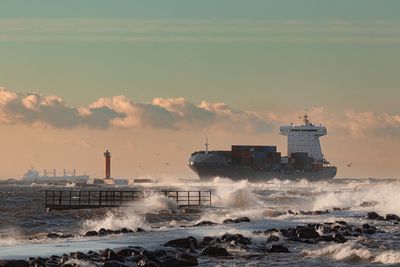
[(107, 155)]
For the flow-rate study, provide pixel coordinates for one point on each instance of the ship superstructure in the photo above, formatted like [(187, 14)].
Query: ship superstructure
[(304, 158)]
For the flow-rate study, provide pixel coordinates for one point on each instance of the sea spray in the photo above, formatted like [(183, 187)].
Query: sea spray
[(132, 215)]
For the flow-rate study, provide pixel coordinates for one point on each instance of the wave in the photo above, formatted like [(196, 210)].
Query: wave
[(355, 253), (133, 215)]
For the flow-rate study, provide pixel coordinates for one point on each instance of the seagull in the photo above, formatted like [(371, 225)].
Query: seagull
[(349, 165)]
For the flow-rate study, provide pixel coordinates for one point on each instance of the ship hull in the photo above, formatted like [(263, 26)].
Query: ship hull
[(240, 173)]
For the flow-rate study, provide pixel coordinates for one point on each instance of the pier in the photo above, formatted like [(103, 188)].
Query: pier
[(91, 199)]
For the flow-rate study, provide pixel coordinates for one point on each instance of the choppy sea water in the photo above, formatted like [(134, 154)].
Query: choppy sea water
[(24, 222)]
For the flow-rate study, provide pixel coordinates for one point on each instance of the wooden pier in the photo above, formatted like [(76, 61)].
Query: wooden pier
[(90, 199)]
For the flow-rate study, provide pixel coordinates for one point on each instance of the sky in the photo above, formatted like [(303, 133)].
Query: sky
[(150, 79)]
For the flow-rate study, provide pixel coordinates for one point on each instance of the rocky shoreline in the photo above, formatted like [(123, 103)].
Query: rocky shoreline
[(190, 251)]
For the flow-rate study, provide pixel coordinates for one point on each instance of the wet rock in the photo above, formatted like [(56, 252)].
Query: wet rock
[(273, 238), (102, 232), (374, 216), (170, 261), (139, 230), (151, 256), (307, 233), (186, 259), (186, 243), (228, 221), (125, 251), (67, 236), (79, 256), (205, 223), (53, 235), (91, 233), (236, 239), (110, 255), (147, 263), (242, 219), (215, 252), (289, 233), (392, 217), (279, 249), (339, 238), (14, 263), (52, 263), (290, 212), (118, 264), (341, 222)]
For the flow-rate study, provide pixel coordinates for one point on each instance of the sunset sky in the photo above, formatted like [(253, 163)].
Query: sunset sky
[(149, 80)]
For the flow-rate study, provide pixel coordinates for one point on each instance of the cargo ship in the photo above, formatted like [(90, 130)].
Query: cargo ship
[(304, 158)]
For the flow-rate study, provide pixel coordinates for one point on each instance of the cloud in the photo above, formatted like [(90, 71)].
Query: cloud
[(121, 112), (180, 114)]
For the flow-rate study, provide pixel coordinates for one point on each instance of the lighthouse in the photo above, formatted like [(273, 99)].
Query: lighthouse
[(107, 156)]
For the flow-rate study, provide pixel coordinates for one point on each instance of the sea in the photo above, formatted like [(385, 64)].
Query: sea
[(275, 204)]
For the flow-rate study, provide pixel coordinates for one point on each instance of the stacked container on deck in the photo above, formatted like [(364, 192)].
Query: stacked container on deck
[(258, 158)]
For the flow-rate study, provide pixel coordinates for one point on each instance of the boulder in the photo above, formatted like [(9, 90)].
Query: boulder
[(273, 238), (191, 211), (228, 221), (306, 233), (279, 249), (147, 263), (392, 217), (241, 219), (91, 233), (186, 259), (139, 230), (215, 252), (186, 243), (53, 235), (110, 255), (205, 223), (374, 216), (338, 238), (14, 263), (236, 238)]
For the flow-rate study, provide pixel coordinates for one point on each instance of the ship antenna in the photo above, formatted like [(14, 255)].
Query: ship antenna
[(206, 144), (306, 120)]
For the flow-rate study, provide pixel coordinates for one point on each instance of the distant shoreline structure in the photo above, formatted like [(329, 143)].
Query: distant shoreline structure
[(51, 175)]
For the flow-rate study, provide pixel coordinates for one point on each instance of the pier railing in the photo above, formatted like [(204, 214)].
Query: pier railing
[(89, 199)]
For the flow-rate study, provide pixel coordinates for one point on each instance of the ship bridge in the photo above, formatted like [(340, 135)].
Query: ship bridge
[(305, 138)]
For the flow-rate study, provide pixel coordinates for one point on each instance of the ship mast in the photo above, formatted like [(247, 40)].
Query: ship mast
[(206, 144)]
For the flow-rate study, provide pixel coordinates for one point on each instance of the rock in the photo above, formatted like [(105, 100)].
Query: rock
[(147, 263), (205, 223), (169, 261), (242, 219), (117, 232), (79, 256), (341, 222), (228, 221), (52, 263), (186, 259), (290, 212), (139, 230), (126, 251), (215, 252), (67, 236), (118, 264), (53, 235), (14, 263), (374, 216), (392, 217), (150, 255), (273, 238), (103, 232), (186, 243), (279, 249), (91, 233), (339, 238), (110, 255), (307, 233), (236, 238)]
